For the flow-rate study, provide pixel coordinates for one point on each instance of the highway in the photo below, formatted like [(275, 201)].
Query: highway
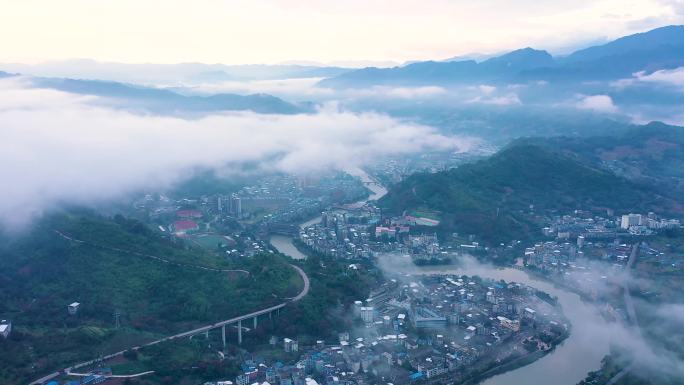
[(302, 294)]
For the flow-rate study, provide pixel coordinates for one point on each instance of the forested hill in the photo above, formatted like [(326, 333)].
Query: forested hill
[(652, 154), (491, 198), (42, 273)]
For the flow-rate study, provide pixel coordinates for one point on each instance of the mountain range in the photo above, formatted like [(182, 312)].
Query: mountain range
[(171, 74), (661, 48)]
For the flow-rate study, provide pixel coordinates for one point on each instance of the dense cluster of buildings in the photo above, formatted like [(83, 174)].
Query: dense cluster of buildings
[(588, 253), (238, 223), (638, 224), (421, 330), (586, 226), (361, 232)]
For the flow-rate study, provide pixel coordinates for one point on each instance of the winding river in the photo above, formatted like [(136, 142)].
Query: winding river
[(568, 364)]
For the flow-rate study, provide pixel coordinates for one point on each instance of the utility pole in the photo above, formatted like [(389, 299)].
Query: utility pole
[(117, 315)]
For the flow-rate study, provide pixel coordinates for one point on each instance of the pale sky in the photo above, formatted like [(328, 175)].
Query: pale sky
[(271, 31)]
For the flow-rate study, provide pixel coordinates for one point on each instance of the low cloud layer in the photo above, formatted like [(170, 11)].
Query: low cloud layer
[(672, 77), (59, 147), (308, 89), (598, 103)]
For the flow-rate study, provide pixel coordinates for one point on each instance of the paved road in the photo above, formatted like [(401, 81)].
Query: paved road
[(302, 294), (629, 306), (629, 303)]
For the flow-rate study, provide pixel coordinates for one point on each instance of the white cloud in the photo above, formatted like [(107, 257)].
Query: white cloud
[(289, 88), (487, 94), (58, 147), (674, 77), (307, 88), (510, 99), (486, 90), (599, 103), (242, 31), (385, 92)]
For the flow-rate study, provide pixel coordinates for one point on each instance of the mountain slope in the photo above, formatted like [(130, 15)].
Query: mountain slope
[(661, 48), (491, 198), (652, 154), (43, 272), (657, 38), (161, 100), (519, 60), (432, 72)]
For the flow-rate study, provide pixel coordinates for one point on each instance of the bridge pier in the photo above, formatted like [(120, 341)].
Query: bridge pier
[(255, 322), (206, 334), (223, 336), (240, 332)]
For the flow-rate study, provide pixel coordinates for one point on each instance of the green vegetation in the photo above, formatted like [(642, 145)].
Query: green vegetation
[(652, 154), (494, 198), (211, 241), (42, 273), (336, 287)]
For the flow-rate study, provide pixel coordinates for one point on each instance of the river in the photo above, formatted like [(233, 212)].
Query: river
[(284, 244), (568, 364)]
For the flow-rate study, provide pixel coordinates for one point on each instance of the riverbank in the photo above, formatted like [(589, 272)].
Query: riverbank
[(578, 353), (516, 363), (500, 369)]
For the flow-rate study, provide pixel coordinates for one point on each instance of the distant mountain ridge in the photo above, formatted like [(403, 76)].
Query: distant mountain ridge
[(161, 100), (661, 48), (664, 36), (170, 74)]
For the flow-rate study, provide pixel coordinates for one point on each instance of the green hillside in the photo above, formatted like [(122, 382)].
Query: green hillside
[(42, 273), (491, 198), (652, 154)]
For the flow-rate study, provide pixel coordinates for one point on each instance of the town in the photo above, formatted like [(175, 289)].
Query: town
[(422, 328)]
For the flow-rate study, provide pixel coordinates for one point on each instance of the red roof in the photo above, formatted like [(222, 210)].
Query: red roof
[(185, 225), (189, 214)]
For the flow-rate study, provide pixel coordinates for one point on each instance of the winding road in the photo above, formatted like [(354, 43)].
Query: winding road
[(302, 294)]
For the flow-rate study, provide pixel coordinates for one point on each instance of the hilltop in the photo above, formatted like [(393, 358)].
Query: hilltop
[(651, 154), (492, 198)]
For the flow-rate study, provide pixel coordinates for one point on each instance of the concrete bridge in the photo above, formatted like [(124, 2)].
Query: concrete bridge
[(371, 182), (204, 329)]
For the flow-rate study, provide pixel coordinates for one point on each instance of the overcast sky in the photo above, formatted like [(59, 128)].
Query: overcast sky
[(270, 31)]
